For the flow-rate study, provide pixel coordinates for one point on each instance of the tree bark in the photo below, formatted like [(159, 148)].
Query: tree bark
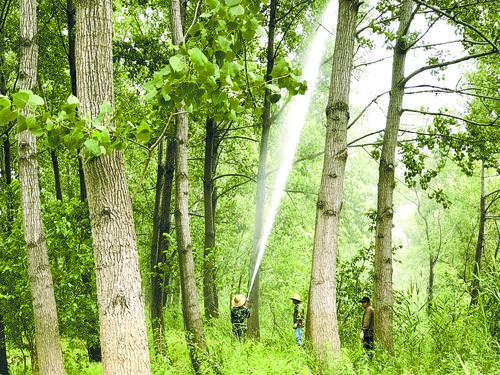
[(121, 307), (383, 239), (480, 242), (57, 174), (48, 344), (209, 198), (156, 308), (191, 312), (254, 320), (322, 326)]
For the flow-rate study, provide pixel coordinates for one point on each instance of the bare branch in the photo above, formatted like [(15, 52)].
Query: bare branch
[(460, 22), (493, 123), (374, 100), (447, 63)]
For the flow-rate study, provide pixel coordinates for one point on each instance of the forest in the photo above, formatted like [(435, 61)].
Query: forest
[(188, 186)]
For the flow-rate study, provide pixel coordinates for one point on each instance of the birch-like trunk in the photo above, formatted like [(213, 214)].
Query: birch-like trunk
[(190, 308), (321, 320), (119, 296), (386, 183), (48, 344)]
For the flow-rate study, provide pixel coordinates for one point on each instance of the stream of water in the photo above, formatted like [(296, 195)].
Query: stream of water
[(292, 124)]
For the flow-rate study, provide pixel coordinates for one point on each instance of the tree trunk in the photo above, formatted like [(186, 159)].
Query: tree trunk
[(254, 320), (70, 21), (156, 308), (383, 239), (480, 242), (119, 296), (192, 318), (322, 327), (57, 174), (209, 198), (48, 344), (166, 222), (4, 365)]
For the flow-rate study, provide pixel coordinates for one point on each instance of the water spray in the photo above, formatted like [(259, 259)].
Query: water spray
[(293, 123)]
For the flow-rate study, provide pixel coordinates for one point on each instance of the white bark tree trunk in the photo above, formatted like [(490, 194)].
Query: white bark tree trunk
[(48, 344), (121, 306), (321, 320)]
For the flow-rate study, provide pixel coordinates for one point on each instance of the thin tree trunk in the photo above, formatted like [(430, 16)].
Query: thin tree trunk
[(192, 317), (48, 344), (166, 221), (156, 308), (70, 21), (254, 320), (383, 239), (209, 196), (480, 242), (4, 365), (119, 296), (322, 326), (57, 174)]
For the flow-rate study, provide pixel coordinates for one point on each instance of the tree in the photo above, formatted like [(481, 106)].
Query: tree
[(48, 344), (120, 301), (190, 308), (383, 234), (322, 328)]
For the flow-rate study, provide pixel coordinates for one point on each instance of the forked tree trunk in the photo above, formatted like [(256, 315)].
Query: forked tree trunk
[(322, 326), (211, 301), (191, 311), (119, 296), (480, 242), (254, 320), (48, 344), (383, 239)]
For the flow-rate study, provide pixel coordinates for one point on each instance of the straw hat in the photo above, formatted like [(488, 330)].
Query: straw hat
[(296, 297), (238, 300)]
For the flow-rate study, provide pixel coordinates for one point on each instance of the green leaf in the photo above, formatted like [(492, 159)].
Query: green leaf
[(177, 63), (143, 132), (4, 102), (71, 103), (20, 98), (198, 57), (232, 3), (35, 100), (92, 146), (6, 116), (236, 11), (274, 98), (105, 108), (30, 121)]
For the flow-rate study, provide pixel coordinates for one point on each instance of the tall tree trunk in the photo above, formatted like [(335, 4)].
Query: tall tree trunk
[(57, 174), (156, 308), (254, 320), (48, 344), (70, 21), (119, 295), (191, 311), (383, 239), (166, 221), (209, 198), (480, 242), (322, 327)]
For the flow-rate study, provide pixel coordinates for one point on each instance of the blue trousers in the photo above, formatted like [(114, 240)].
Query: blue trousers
[(298, 335)]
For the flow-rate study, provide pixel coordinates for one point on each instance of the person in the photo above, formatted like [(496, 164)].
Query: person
[(239, 315), (367, 331), (298, 318)]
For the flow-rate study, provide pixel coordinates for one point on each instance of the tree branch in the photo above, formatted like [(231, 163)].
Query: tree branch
[(493, 124)]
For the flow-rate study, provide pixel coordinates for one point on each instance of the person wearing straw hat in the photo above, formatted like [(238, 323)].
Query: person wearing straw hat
[(298, 318), (239, 315)]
